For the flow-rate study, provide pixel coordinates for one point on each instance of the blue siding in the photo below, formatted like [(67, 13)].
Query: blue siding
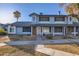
[(19, 30)]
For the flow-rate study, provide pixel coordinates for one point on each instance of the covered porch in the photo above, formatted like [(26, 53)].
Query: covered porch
[(57, 30)]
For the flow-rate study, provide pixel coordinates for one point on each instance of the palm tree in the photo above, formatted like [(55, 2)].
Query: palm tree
[(17, 14)]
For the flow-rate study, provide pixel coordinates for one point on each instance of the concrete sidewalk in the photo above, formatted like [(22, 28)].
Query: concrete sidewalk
[(41, 42), (60, 41), (52, 52)]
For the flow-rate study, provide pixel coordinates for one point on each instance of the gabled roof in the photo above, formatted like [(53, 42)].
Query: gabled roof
[(33, 14), (2, 25)]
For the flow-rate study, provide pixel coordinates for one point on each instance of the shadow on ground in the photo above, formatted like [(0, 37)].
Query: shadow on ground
[(28, 50)]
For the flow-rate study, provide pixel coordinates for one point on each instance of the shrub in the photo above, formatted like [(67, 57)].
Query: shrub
[(2, 31), (49, 37)]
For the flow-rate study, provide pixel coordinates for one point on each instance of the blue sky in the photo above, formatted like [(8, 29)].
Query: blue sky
[(6, 10)]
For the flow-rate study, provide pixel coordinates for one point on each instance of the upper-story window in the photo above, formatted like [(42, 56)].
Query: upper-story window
[(59, 18), (43, 18)]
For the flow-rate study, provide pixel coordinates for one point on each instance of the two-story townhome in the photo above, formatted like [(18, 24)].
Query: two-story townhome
[(45, 24)]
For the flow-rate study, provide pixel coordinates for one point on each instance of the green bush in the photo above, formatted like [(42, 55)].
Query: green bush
[(49, 37), (2, 31)]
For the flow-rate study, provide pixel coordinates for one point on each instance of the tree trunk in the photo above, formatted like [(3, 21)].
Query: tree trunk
[(17, 19)]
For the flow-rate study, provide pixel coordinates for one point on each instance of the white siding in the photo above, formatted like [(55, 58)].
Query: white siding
[(36, 19), (51, 20)]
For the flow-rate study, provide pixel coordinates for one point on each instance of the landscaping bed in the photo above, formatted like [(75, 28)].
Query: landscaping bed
[(73, 48), (21, 37), (61, 37)]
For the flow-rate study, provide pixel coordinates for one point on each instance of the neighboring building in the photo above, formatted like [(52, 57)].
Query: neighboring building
[(2, 26), (45, 24)]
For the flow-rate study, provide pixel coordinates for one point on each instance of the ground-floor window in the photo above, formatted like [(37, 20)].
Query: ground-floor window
[(11, 29), (26, 29), (46, 29), (58, 29)]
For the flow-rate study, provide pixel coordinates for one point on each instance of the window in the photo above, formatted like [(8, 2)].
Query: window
[(77, 29), (11, 29), (26, 29), (46, 29), (58, 29), (59, 19), (43, 18)]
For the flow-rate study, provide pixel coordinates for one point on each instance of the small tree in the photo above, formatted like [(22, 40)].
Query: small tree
[(72, 9)]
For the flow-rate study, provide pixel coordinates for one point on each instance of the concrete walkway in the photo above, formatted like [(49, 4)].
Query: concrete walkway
[(60, 41), (52, 52), (2, 44)]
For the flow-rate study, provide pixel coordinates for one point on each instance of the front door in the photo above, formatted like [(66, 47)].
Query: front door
[(34, 31), (46, 30)]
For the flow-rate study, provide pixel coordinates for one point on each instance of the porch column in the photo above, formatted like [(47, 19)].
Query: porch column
[(41, 30), (64, 31), (74, 31), (53, 30)]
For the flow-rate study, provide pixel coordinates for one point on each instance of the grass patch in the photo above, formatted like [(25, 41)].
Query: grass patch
[(73, 48), (19, 51)]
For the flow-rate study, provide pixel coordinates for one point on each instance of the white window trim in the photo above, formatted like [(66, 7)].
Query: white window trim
[(11, 32), (44, 22), (27, 32)]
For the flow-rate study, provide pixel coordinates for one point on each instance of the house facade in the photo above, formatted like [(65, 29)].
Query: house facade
[(41, 24)]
